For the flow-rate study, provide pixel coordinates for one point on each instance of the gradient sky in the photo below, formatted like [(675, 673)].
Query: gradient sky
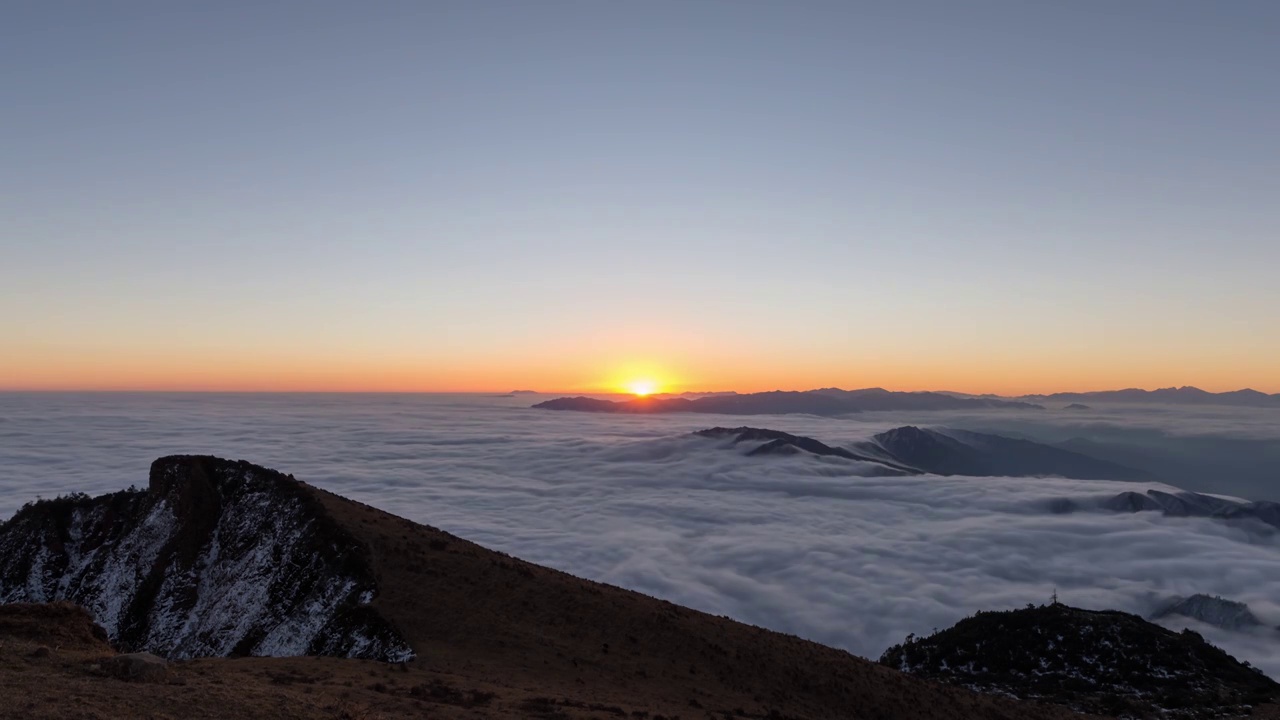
[(985, 196)]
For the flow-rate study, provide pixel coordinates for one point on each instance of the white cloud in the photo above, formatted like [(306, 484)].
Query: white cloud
[(805, 545)]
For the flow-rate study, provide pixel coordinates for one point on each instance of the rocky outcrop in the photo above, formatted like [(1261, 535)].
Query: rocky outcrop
[(138, 667), (214, 558), (1103, 662)]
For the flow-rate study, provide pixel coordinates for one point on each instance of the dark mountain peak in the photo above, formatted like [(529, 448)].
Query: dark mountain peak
[(579, 403), (1077, 406), (776, 442), (216, 557), (910, 434), (1103, 662), (1184, 389), (744, 433), (1213, 610), (1246, 393), (1130, 501)]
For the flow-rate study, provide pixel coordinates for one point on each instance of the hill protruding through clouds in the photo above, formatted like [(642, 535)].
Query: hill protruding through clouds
[(910, 450), (1213, 610), (1254, 513), (1103, 662)]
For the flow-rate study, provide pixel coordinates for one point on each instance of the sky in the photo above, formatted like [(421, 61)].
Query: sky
[(565, 196)]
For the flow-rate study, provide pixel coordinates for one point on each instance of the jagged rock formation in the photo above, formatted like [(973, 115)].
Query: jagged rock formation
[(825, 402), (214, 558), (1212, 610), (1103, 662)]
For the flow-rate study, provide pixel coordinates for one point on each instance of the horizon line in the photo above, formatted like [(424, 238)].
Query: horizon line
[(206, 391)]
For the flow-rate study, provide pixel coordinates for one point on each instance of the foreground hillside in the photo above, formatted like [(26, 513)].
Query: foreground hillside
[(492, 636)]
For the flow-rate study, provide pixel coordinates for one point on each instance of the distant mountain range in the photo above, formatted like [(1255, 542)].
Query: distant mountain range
[(1171, 396), (911, 450), (824, 401), (834, 401)]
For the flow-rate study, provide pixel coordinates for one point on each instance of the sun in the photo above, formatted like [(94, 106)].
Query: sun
[(641, 387)]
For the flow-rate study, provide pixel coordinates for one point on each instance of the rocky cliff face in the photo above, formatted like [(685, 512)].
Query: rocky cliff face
[(214, 558)]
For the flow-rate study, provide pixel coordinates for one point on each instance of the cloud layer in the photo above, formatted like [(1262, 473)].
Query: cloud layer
[(807, 545)]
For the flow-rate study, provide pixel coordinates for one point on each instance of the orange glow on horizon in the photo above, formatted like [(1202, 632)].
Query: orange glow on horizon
[(553, 372)]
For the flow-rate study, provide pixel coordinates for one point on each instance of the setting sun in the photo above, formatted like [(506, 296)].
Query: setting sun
[(642, 387)]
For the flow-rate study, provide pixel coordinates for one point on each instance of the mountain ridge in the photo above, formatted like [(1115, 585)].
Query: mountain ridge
[(541, 642), (823, 402), (910, 450), (1185, 395)]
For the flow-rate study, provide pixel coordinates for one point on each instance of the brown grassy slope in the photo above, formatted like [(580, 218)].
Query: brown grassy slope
[(497, 638), (479, 614), (50, 668)]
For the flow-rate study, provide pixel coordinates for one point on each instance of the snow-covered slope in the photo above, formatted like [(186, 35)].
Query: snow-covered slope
[(214, 558)]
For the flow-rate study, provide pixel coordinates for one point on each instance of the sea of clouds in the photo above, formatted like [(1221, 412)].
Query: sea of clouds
[(812, 546)]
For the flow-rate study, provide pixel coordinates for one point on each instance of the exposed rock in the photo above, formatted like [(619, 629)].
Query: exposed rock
[(1105, 662), (138, 667), (214, 558)]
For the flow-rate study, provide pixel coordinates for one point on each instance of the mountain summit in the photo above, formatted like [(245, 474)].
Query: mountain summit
[(1103, 662)]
